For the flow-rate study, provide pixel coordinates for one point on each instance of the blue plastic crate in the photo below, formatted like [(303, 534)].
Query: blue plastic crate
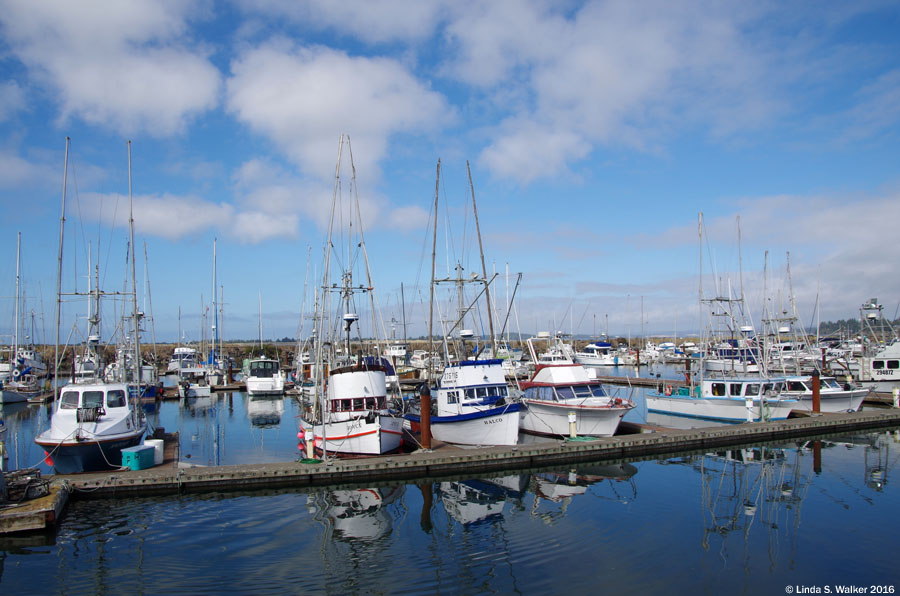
[(139, 457)]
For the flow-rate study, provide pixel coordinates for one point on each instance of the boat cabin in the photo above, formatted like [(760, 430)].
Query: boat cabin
[(92, 401), (263, 368)]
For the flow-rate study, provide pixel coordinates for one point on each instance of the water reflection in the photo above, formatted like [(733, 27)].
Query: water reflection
[(355, 514)]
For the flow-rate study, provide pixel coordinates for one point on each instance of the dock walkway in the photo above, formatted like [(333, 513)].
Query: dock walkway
[(452, 461)]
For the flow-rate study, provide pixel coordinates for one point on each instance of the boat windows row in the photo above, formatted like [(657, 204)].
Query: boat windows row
[(358, 404), (477, 393), (564, 393), (115, 398), (745, 389), (882, 364)]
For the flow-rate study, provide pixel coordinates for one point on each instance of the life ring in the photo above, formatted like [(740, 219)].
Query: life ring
[(667, 390), (16, 373)]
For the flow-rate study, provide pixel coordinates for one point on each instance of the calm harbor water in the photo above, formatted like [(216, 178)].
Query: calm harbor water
[(755, 521)]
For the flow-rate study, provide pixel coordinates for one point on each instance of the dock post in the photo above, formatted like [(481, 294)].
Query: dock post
[(572, 432), (425, 416), (895, 392), (816, 398), (310, 437)]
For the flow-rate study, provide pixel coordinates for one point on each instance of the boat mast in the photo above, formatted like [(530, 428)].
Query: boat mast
[(62, 225), (487, 293), (437, 181), (150, 305), (134, 305), (15, 355), (215, 329), (703, 347)]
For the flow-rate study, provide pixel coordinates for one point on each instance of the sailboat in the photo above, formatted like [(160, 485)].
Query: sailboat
[(349, 414), (263, 374), (472, 406), (93, 421), (19, 382)]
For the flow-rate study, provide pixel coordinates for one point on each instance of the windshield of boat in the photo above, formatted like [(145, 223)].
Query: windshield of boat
[(263, 368), (115, 398), (68, 400), (92, 399)]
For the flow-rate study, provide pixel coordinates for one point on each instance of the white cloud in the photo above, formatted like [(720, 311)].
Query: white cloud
[(381, 21), (16, 171), (303, 98), (122, 65), (12, 99)]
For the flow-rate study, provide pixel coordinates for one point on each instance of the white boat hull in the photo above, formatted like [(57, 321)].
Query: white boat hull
[(839, 401), (265, 385), (357, 436), (719, 408), (552, 418), (497, 426)]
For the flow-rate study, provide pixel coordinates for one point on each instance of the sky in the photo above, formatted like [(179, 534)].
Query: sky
[(595, 132)]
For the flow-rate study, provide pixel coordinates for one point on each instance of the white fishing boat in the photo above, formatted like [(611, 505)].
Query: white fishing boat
[(349, 413), (472, 406), (559, 392), (727, 400), (598, 353), (89, 427), (833, 397), (92, 422), (264, 376), (19, 379), (357, 420)]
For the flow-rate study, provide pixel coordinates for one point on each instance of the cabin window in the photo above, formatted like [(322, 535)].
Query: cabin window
[(565, 393), (893, 364), (735, 389), (598, 391), (482, 392), (115, 398), (357, 403), (470, 394), (92, 399), (877, 364), (452, 397), (582, 390), (752, 389), (718, 389), (796, 386), (69, 400), (547, 394)]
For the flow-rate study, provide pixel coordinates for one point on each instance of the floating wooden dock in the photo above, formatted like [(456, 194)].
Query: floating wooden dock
[(452, 461), (36, 514)]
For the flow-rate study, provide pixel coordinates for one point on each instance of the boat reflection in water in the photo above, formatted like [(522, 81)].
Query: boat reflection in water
[(355, 514), (265, 410), (743, 488), (480, 499), (557, 487)]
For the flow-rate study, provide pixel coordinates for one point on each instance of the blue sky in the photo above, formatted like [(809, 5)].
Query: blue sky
[(596, 132)]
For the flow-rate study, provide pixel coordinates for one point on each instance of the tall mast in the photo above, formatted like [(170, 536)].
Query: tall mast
[(15, 354), (150, 303), (487, 293), (437, 181), (215, 329), (700, 298), (62, 225), (134, 305)]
